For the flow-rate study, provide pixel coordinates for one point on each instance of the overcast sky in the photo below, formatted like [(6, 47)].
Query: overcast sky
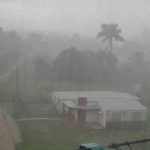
[(75, 16)]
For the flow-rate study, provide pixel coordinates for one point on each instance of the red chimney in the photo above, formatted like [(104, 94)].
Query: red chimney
[(82, 101)]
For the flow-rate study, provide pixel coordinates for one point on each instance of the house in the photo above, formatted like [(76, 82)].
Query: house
[(128, 114), (108, 109)]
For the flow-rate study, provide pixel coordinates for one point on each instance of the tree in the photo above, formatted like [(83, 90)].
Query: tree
[(69, 65), (137, 59), (42, 66), (133, 73), (110, 32)]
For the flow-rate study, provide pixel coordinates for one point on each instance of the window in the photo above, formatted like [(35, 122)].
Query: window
[(116, 116), (136, 116)]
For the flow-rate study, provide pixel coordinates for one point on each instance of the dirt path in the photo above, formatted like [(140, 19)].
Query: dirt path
[(37, 118)]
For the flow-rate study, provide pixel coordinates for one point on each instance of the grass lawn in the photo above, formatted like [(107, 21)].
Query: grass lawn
[(62, 135)]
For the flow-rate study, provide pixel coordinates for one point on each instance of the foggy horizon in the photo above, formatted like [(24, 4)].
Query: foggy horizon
[(74, 74), (80, 17)]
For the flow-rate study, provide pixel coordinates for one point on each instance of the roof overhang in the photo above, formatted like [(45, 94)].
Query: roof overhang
[(70, 104)]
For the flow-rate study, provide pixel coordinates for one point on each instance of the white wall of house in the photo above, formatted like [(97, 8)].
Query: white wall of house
[(65, 109), (59, 105), (76, 115), (143, 115), (114, 116), (105, 114), (102, 116), (92, 116)]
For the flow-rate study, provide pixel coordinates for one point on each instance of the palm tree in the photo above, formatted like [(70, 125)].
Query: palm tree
[(110, 32)]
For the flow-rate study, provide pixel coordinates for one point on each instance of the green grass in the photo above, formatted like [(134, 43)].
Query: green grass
[(62, 135)]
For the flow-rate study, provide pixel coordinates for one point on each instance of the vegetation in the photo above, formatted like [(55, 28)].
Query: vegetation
[(110, 32), (28, 79), (45, 135)]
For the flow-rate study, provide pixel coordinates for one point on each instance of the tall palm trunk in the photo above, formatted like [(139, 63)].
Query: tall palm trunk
[(111, 45), (110, 32), (110, 60), (111, 48)]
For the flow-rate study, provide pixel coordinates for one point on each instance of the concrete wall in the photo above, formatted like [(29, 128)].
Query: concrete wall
[(126, 120), (96, 116), (114, 116), (75, 115), (92, 116), (127, 125), (102, 115), (58, 103)]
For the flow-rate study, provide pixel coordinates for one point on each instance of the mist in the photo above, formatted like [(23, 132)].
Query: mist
[(68, 16), (74, 71)]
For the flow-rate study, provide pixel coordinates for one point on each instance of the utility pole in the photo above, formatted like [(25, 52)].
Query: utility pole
[(18, 96), (46, 50), (19, 104)]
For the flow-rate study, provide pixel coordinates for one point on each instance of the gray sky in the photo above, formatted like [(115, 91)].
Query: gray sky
[(75, 16)]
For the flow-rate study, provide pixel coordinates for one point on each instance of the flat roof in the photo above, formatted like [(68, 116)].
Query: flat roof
[(95, 95), (70, 104), (109, 105), (121, 105)]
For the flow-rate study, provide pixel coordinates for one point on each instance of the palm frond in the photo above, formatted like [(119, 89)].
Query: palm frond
[(105, 39), (100, 34), (110, 31), (117, 37)]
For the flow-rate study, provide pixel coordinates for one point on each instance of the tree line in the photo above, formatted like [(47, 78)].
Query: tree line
[(98, 67), (74, 64)]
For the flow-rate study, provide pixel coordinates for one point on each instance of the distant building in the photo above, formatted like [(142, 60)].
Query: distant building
[(107, 109)]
